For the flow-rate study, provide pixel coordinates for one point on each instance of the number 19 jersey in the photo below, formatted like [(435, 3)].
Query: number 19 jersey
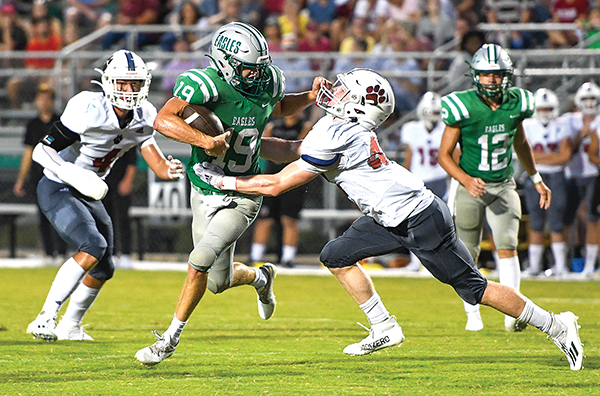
[(245, 116), (486, 135)]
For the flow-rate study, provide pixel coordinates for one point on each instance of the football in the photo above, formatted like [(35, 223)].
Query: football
[(202, 119)]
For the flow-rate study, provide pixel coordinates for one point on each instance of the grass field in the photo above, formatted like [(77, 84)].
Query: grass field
[(226, 349)]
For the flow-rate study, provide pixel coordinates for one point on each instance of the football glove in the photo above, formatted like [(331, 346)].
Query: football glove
[(85, 181), (209, 173), (175, 168)]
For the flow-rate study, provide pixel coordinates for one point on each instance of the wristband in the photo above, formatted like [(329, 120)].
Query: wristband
[(229, 183), (536, 178)]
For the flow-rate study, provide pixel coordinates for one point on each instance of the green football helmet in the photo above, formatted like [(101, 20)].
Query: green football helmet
[(491, 58)]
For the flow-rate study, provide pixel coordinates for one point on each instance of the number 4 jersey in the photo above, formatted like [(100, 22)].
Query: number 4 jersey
[(486, 136), (102, 140), (349, 155)]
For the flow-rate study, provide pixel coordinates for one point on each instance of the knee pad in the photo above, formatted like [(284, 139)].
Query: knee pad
[(216, 286), (104, 270), (332, 256), (470, 287), (95, 244), (202, 258)]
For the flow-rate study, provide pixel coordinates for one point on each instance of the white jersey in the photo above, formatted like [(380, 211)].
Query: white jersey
[(579, 165), (547, 139), (424, 146), (102, 140), (349, 155)]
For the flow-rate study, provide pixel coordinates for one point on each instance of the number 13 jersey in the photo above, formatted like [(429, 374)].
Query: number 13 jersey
[(486, 135), (349, 155)]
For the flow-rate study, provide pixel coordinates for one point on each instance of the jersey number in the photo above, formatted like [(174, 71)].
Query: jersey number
[(243, 148), (377, 157), (492, 162), (187, 92), (103, 163), (433, 156)]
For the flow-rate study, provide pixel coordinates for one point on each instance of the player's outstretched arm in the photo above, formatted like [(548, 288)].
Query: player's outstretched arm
[(165, 168), (295, 102), (170, 123), (280, 150)]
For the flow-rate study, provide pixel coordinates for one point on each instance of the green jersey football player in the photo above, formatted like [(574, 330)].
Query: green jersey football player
[(486, 122), (243, 89)]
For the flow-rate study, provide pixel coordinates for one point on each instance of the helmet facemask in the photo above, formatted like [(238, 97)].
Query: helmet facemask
[(124, 65), (257, 77), (429, 110), (546, 106), (491, 58), (587, 99)]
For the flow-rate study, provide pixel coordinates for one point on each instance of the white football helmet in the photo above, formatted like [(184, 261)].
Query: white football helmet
[(546, 106), (360, 95), (124, 65), (236, 47), (587, 98), (429, 110), (491, 58)]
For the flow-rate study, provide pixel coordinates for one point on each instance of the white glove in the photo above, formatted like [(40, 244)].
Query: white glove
[(209, 173), (175, 168), (85, 181)]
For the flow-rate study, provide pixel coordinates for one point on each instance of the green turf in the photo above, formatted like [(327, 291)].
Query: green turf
[(226, 349)]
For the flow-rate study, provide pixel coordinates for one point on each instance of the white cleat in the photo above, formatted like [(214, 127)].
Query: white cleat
[(71, 332), (474, 322), (266, 297), (42, 328), (157, 352), (568, 339), (514, 325), (386, 334)]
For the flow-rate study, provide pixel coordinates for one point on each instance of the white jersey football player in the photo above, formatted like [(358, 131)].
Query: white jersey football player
[(422, 140), (399, 211), (548, 136), (579, 171), (95, 129)]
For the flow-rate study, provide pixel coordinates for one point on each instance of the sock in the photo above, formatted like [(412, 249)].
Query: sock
[(535, 258), (257, 252), (540, 318), (81, 300), (375, 310), (175, 329), (496, 258), (288, 253), (471, 309), (591, 254), (559, 251), (260, 279), (509, 272), (68, 277)]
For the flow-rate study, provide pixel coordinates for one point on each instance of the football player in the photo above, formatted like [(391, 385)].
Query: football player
[(398, 211), (487, 122), (243, 88), (580, 172), (94, 130), (549, 139)]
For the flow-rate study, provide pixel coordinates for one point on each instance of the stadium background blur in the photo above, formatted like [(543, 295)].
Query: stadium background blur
[(418, 44)]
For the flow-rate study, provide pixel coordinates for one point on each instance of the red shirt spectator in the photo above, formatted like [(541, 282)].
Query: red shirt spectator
[(568, 11), (42, 40)]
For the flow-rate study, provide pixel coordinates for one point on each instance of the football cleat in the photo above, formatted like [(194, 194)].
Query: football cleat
[(514, 325), (42, 328), (382, 335), (568, 339), (266, 297), (71, 332), (474, 322), (157, 352)]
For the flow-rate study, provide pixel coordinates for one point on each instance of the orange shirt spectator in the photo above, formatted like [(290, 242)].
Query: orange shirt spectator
[(42, 40)]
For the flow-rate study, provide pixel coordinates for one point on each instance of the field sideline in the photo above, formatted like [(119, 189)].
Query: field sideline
[(226, 349)]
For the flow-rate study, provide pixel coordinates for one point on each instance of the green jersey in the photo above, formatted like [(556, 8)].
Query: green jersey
[(486, 135), (246, 117)]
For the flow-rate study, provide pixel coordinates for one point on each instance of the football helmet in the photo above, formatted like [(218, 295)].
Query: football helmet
[(360, 95), (546, 105), (124, 65), (237, 47), (491, 58), (587, 98), (429, 109)]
